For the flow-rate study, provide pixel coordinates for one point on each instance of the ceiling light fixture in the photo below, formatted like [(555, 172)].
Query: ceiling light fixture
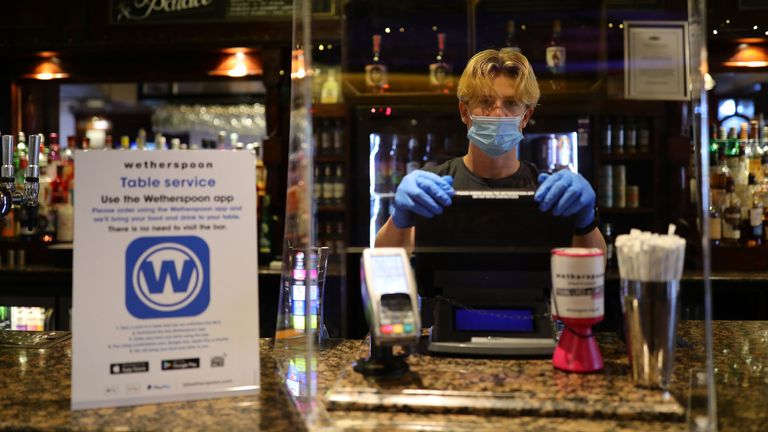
[(747, 55), (239, 62)]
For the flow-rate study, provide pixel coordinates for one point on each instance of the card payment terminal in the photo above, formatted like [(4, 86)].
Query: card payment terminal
[(391, 307)]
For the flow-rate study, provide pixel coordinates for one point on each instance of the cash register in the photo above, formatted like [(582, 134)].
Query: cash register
[(484, 264)]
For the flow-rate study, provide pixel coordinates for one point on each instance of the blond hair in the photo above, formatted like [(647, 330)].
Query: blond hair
[(477, 79)]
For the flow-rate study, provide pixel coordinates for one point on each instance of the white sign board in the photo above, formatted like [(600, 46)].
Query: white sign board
[(656, 60), (165, 290)]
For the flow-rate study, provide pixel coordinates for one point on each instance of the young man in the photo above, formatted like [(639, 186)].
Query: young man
[(497, 94)]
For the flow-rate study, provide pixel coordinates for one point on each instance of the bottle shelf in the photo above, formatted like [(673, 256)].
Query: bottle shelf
[(626, 210), (329, 111), (330, 158), (331, 208)]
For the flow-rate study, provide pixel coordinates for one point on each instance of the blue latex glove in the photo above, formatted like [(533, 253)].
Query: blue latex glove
[(421, 193), (566, 193)]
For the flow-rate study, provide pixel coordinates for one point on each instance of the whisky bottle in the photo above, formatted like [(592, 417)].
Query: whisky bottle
[(732, 152), (511, 43), (327, 187), (555, 55), (338, 186), (731, 215), (397, 163), (715, 224), (413, 160), (754, 153), (330, 91), (376, 72), (756, 219), (764, 147), (440, 79), (428, 158)]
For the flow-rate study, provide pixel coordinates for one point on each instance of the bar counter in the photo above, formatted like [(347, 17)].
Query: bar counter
[(36, 393)]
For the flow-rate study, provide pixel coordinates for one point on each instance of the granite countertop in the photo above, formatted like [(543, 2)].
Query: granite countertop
[(35, 394)]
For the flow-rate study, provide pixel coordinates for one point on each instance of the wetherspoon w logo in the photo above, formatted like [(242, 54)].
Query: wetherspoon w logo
[(167, 277)]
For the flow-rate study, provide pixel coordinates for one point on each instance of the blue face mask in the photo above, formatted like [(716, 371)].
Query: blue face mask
[(495, 135)]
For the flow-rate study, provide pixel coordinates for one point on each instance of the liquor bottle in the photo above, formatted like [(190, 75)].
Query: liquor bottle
[(731, 215), (327, 187), (643, 137), (714, 152), (141, 140), (428, 158), (511, 42), (610, 250), (440, 79), (555, 55), (746, 206), (54, 154), (43, 158), (376, 72), (764, 146), (379, 156), (756, 220), (715, 224), (618, 136), (338, 185), (125, 142), (397, 163), (265, 231), (326, 138), (221, 139), (754, 153), (340, 245), (318, 185), (338, 138), (5, 318), (717, 182), (732, 152), (607, 146), (414, 161), (8, 226), (630, 137), (330, 91), (58, 188), (65, 220)]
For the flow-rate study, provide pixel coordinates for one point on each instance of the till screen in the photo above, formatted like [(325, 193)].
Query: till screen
[(493, 320), (389, 274)]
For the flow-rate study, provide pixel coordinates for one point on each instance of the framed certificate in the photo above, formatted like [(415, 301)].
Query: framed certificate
[(656, 60)]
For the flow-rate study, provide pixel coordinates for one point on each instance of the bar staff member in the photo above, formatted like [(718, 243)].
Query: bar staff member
[(497, 94)]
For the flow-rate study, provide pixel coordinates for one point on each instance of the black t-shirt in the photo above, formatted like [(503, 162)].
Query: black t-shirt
[(526, 177)]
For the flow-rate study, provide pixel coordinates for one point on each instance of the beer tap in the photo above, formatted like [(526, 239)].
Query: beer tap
[(32, 181), (9, 196)]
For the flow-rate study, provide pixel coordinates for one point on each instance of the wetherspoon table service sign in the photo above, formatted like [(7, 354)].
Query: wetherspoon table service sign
[(165, 289)]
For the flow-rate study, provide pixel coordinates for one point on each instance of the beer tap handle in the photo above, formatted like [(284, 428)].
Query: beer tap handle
[(6, 169), (6, 175), (32, 181)]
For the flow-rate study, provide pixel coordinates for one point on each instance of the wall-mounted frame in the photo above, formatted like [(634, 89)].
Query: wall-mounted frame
[(130, 12), (656, 60)]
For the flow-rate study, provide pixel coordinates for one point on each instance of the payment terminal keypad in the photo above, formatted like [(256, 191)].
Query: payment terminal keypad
[(396, 315)]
